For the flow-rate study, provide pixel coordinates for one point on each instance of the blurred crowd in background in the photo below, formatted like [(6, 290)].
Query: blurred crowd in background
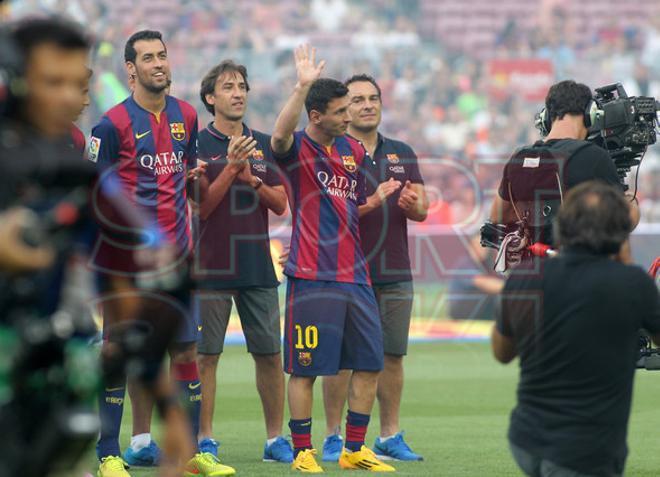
[(461, 80)]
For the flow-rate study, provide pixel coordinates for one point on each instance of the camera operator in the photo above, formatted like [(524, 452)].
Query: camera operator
[(43, 77), (574, 326), (536, 177), (49, 393), (37, 124)]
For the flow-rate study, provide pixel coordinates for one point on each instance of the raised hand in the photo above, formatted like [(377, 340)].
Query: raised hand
[(306, 68)]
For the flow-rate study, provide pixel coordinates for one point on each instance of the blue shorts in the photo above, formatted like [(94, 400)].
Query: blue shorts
[(331, 326)]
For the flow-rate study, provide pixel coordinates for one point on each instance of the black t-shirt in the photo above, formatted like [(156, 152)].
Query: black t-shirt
[(533, 181), (575, 326), (384, 231), (232, 244), (588, 163)]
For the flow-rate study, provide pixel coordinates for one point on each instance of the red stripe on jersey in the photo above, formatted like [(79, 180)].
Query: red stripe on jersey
[(309, 196), (289, 330), (166, 209), (128, 166), (345, 240), (77, 138)]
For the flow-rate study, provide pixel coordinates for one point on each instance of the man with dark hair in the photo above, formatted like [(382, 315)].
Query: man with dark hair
[(150, 140), (49, 57), (232, 256), (536, 177), (577, 344), (567, 97), (55, 54), (383, 231), (331, 313)]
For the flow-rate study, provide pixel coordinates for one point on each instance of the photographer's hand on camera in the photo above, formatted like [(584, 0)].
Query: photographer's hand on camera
[(16, 256)]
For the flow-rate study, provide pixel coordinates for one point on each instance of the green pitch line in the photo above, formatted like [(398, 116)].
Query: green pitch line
[(455, 412)]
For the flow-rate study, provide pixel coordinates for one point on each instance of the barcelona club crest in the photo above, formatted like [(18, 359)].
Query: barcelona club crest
[(178, 131), (393, 158), (305, 358), (349, 163)]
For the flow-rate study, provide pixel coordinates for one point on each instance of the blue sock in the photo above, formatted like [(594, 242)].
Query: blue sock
[(301, 434), (111, 409), (356, 430), (187, 378)]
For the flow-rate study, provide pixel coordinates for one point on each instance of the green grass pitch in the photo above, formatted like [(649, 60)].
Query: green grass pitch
[(455, 411)]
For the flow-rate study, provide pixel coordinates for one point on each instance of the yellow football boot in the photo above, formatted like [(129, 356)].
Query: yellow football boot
[(206, 465), (306, 462), (113, 466), (364, 459)]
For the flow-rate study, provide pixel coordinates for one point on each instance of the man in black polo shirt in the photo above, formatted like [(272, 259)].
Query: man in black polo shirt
[(233, 250), (574, 324), (395, 191)]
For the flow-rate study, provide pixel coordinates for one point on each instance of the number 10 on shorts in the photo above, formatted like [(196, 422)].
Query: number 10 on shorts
[(307, 338)]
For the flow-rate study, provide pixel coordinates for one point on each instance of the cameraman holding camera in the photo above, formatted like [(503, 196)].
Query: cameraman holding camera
[(36, 124), (536, 177), (50, 375), (574, 324)]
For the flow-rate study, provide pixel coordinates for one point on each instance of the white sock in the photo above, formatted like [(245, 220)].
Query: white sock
[(337, 433), (270, 442), (384, 439), (140, 441)]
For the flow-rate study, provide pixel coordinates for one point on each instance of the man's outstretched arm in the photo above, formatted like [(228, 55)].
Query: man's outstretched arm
[(286, 122)]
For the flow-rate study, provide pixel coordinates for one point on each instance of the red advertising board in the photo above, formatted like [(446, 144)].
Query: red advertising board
[(528, 78)]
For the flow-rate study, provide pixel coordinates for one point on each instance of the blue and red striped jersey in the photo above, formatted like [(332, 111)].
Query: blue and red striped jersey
[(150, 154), (326, 186), (77, 139)]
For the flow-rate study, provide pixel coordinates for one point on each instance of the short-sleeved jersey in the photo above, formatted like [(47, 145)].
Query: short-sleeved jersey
[(77, 139), (384, 231), (232, 243), (151, 155), (326, 187)]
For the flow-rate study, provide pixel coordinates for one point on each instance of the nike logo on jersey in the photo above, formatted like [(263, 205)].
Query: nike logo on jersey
[(112, 390), (140, 136), (192, 386)]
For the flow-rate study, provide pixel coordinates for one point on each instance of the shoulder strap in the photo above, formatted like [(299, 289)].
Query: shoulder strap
[(568, 147)]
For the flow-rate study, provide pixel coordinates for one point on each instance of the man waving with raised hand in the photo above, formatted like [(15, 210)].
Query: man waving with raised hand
[(331, 313)]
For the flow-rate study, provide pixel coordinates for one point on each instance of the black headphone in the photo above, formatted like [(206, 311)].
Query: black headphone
[(593, 118)]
